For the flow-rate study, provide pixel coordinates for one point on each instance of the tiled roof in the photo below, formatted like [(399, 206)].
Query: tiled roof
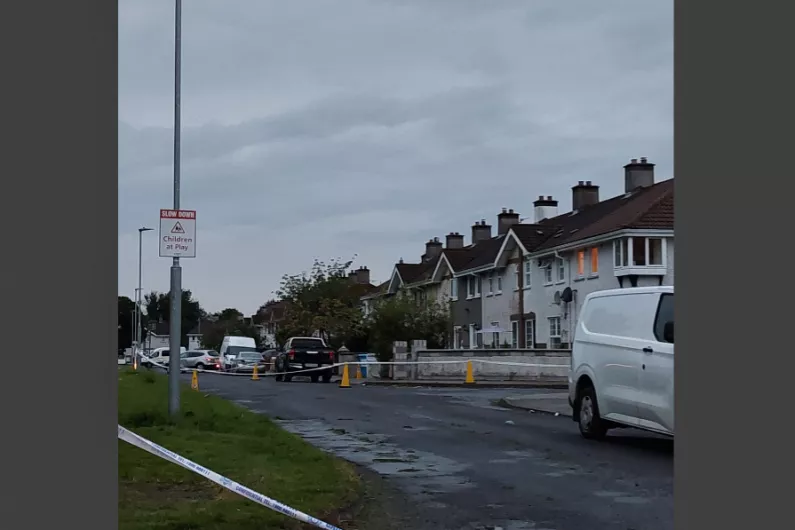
[(412, 272), (650, 208)]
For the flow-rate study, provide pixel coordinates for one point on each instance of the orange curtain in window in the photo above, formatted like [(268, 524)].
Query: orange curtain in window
[(594, 260), (581, 262)]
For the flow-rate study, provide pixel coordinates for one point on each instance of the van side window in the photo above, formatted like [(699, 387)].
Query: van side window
[(665, 315)]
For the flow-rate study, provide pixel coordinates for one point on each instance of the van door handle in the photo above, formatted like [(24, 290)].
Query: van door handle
[(648, 349)]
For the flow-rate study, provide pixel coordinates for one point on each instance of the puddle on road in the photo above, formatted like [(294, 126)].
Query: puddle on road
[(421, 474)]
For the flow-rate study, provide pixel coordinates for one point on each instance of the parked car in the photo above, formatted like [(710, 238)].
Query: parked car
[(200, 360), (622, 361), (301, 353), (231, 346), (269, 357), (247, 360)]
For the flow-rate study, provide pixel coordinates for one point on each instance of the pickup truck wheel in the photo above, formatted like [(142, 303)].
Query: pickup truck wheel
[(288, 378), (326, 378), (592, 426), (314, 378)]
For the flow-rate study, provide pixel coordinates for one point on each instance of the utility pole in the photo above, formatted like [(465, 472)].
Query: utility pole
[(175, 324)]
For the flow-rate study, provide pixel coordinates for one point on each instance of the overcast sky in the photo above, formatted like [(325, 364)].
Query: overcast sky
[(334, 128)]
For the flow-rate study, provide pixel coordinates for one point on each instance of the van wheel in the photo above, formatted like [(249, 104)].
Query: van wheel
[(592, 426), (288, 378)]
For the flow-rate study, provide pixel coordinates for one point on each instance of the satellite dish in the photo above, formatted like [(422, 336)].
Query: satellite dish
[(567, 295), (556, 298)]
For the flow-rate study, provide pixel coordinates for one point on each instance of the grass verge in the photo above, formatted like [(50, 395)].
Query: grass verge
[(155, 494)]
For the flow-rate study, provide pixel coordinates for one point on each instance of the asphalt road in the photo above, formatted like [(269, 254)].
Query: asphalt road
[(463, 463)]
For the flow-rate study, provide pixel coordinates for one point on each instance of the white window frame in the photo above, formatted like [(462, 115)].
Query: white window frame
[(454, 289), (515, 334), (491, 283), (549, 278), (554, 322), (623, 249), (561, 270), (529, 325), (495, 337), (499, 283), (478, 285), (528, 274)]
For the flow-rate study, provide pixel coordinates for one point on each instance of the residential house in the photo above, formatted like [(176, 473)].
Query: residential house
[(623, 241), (159, 337), (268, 319)]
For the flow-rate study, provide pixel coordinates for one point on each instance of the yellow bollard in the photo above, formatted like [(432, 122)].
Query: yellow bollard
[(194, 381), (255, 374), (358, 371), (346, 380), (470, 375)]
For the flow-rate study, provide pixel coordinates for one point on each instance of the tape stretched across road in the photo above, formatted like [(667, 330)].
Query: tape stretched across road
[(151, 447), (362, 363)]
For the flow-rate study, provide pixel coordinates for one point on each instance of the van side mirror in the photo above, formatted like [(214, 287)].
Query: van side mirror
[(668, 332)]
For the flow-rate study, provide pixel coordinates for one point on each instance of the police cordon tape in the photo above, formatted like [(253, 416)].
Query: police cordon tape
[(362, 363), (151, 447)]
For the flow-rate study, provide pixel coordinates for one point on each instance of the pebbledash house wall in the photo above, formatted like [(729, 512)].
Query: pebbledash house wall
[(466, 312), (539, 298), (499, 306)]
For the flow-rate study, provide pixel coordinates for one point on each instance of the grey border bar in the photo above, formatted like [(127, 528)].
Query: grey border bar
[(733, 136), (59, 264)]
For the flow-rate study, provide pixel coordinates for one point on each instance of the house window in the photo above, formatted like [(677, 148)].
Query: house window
[(514, 334), (473, 286), (528, 273), (665, 316), (548, 273), (491, 283), (655, 246), (554, 327), (580, 263), (594, 260), (454, 289), (499, 283), (638, 252), (561, 270), (529, 336)]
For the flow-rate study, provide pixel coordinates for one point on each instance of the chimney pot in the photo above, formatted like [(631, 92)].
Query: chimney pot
[(480, 231), (540, 197), (581, 183), (643, 160), (549, 197), (584, 194), (638, 175)]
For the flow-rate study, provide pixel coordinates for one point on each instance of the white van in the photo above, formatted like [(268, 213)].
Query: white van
[(232, 346), (622, 361), (160, 356)]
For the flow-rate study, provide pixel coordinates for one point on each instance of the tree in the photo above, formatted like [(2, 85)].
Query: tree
[(158, 309), (229, 322), (323, 300), (400, 317), (126, 311)]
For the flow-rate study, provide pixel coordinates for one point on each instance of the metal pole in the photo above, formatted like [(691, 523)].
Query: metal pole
[(138, 298), (175, 338)]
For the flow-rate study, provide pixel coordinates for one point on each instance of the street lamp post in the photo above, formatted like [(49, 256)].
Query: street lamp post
[(137, 334), (175, 331)]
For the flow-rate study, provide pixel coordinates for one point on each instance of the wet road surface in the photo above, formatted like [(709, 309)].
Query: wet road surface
[(464, 463)]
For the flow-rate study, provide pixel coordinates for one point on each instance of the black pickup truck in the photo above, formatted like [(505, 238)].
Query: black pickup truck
[(304, 353)]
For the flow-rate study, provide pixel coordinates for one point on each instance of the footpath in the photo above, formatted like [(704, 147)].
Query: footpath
[(556, 384)]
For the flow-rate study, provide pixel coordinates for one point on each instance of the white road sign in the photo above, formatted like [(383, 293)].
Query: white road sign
[(177, 233)]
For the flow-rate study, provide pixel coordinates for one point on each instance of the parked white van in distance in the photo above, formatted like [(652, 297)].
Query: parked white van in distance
[(232, 346), (622, 361)]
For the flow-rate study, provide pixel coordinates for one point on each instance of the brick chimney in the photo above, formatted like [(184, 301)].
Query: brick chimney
[(454, 240), (585, 193), (506, 219), (352, 276), (363, 275), (480, 231), (433, 248), (545, 208), (638, 174)]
